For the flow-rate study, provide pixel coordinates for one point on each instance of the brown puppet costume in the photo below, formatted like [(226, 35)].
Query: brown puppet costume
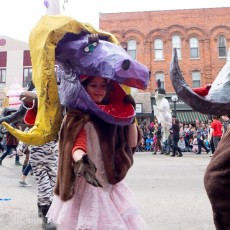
[(111, 155), (117, 155), (217, 183), (214, 101)]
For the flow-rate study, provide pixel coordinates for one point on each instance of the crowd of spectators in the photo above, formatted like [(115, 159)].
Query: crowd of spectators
[(202, 136)]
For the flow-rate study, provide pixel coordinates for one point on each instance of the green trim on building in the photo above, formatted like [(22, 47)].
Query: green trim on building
[(190, 117)]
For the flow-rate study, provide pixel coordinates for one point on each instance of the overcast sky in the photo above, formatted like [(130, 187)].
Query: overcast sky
[(17, 17)]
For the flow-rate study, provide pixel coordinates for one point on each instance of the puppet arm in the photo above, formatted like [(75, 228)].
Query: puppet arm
[(133, 135), (86, 168), (79, 148), (83, 166)]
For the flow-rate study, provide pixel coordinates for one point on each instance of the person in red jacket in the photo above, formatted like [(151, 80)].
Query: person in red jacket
[(216, 130)]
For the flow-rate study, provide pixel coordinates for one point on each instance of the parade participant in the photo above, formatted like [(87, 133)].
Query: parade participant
[(11, 144), (216, 126), (62, 50), (162, 111), (1, 139), (23, 180), (157, 145), (42, 158), (94, 157), (215, 102), (26, 167), (175, 137), (226, 122)]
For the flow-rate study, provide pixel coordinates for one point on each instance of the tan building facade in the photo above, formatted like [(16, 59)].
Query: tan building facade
[(14, 61)]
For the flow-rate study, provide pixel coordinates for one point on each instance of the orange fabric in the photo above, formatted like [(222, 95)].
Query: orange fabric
[(80, 142)]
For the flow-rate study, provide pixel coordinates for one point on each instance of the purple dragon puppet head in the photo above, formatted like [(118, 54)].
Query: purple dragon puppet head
[(90, 55)]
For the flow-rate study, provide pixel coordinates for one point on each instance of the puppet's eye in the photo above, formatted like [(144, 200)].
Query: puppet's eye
[(90, 48), (86, 49)]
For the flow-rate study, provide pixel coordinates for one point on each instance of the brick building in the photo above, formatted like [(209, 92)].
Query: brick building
[(201, 37)]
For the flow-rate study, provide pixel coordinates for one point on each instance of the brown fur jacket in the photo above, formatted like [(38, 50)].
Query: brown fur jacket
[(117, 154), (217, 183)]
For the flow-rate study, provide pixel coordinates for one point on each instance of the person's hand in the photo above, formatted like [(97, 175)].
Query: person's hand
[(128, 99), (86, 168)]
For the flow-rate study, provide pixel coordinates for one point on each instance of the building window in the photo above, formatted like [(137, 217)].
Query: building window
[(132, 45), (196, 79), (3, 58), (27, 68), (2, 77), (160, 75), (26, 58), (27, 76), (176, 43), (158, 49), (194, 48), (222, 46)]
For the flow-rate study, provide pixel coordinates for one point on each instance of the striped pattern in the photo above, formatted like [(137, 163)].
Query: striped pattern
[(187, 117), (44, 159)]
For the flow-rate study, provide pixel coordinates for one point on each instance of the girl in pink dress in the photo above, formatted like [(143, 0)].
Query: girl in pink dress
[(94, 158)]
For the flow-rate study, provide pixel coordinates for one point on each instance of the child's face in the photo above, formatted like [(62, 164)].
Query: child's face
[(97, 89)]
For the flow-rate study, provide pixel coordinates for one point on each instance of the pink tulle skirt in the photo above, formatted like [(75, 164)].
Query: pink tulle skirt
[(112, 207)]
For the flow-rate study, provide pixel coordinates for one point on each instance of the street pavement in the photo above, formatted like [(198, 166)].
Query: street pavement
[(170, 192)]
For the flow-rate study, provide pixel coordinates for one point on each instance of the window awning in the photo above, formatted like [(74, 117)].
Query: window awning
[(190, 117)]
